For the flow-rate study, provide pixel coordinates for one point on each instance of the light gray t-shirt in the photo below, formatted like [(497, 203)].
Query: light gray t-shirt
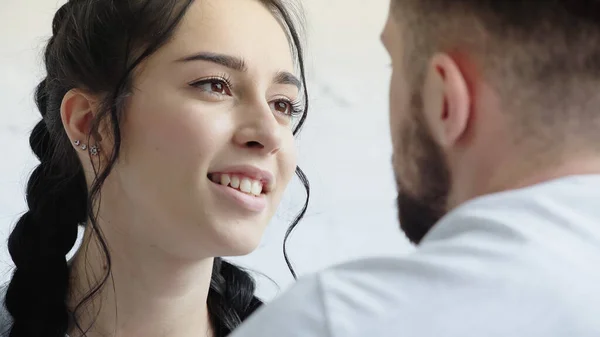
[(523, 263)]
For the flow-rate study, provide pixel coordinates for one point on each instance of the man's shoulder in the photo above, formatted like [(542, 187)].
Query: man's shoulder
[(343, 299), (366, 276), (406, 293), (355, 293), (323, 304)]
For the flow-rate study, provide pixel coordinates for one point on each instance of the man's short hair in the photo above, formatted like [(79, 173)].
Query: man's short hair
[(542, 56)]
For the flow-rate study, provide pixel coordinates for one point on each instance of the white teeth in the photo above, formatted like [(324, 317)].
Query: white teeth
[(235, 182), (246, 185), (225, 179), (243, 184), (256, 188)]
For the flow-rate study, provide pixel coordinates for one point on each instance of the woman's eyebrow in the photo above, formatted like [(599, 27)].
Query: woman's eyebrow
[(231, 62), (284, 77)]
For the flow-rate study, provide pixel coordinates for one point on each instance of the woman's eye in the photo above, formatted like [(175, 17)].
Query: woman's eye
[(287, 108), (214, 86), (282, 107)]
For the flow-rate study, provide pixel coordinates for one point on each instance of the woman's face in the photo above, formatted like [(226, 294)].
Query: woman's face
[(207, 148)]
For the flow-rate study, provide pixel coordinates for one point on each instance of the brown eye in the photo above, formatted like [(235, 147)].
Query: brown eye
[(214, 86), (219, 88), (286, 108), (282, 107)]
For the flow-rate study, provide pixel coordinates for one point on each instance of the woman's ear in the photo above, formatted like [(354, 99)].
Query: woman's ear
[(446, 100), (78, 111)]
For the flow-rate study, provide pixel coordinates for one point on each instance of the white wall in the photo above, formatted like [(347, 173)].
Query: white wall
[(344, 147)]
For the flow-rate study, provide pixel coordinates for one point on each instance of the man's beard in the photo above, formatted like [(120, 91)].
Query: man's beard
[(420, 208)]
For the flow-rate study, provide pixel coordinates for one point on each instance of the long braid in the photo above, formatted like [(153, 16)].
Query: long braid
[(43, 236), (231, 297)]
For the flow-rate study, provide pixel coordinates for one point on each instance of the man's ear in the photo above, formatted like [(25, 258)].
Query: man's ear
[(446, 100)]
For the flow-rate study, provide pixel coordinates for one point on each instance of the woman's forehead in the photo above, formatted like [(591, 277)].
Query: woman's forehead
[(242, 28)]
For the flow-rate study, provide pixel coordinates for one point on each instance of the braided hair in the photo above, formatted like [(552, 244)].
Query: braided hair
[(96, 45)]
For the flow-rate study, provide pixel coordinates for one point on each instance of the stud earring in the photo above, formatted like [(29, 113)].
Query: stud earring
[(94, 150), (80, 145)]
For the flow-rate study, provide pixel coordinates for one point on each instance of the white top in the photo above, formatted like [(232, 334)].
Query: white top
[(518, 263)]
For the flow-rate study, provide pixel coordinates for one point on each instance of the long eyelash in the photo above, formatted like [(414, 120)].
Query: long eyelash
[(225, 78), (297, 108)]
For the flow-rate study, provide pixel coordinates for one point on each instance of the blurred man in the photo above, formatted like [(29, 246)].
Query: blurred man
[(495, 119)]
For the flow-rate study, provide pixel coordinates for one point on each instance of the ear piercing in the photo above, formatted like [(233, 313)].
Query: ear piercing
[(78, 143), (93, 149)]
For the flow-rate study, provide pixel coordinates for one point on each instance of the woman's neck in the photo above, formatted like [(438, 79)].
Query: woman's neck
[(147, 293)]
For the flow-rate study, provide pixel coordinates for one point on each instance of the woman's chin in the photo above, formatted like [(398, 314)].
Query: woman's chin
[(238, 249), (238, 243)]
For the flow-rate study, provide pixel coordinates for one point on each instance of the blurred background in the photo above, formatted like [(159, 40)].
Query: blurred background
[(344, 147)]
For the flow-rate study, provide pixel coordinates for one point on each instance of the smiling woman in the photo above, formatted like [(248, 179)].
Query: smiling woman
[(168, 133)]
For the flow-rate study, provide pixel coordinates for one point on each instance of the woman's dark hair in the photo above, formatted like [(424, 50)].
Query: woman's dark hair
[(96, 45)]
